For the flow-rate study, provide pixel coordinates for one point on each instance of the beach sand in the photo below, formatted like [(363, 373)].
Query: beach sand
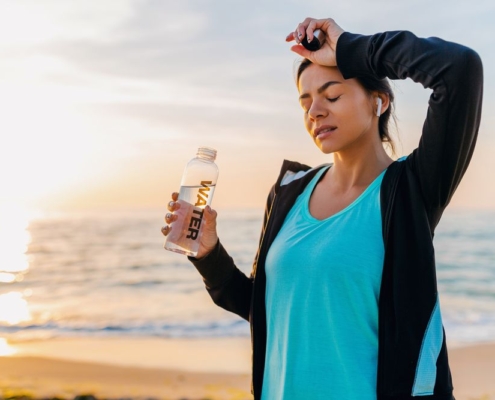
[(128, 368), (176, 369), (47, 378)]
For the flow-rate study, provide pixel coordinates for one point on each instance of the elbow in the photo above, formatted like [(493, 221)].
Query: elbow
[(465, 78), (472, 56), (473, 59), (471, 67), (232, 298), (236, 308)]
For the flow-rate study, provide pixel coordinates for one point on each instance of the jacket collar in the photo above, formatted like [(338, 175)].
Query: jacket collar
[(293, 171)]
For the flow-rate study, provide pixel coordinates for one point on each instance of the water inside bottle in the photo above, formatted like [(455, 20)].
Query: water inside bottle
[(184, 237)]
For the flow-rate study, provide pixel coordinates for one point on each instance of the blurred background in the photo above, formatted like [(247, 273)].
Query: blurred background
[(104, 102)]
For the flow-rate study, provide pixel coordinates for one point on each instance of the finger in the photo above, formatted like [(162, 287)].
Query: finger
[(290, 37), (295, 35), (166, 230), (301, 29), (307, 20), (169, 218), (300, 33), (173, 206), (210, 215), (175, 196), (310, 30), (303, 52)]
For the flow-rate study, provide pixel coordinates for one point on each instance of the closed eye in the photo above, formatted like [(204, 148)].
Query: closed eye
[(334, 99)]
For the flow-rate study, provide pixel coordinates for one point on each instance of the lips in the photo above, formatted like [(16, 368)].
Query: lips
[(323, 129)]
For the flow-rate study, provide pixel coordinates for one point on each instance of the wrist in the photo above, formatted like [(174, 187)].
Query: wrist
[(206, 251)]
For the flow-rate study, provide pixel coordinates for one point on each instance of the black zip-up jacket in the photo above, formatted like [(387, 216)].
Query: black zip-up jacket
[(412, 353)]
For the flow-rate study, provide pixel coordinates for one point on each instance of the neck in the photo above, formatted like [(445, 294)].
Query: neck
[(358, 167)]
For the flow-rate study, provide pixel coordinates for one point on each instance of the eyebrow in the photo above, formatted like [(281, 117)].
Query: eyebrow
[(320, 89)]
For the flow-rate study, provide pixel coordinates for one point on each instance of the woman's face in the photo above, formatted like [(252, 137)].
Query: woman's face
[(338, 113)]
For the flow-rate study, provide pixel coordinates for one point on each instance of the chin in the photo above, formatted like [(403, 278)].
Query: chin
[(326, 149)]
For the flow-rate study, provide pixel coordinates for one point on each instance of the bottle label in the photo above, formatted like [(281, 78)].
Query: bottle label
[(197, 217), (188, 224)]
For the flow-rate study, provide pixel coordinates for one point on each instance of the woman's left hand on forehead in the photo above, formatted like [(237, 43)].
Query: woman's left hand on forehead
[(325, 55)]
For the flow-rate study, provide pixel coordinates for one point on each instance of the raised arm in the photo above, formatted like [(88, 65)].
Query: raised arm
[(455, 74)]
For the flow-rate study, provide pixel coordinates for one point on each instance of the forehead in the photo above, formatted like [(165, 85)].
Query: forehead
[(314, 76)]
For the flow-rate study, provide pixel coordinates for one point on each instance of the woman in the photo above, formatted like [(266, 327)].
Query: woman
[(342, 299)]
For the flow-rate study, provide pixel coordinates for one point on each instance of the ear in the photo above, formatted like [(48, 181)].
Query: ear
[(382, 103)]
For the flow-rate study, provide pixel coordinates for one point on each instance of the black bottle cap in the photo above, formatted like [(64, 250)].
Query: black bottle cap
[(316, 43), (311, 46)]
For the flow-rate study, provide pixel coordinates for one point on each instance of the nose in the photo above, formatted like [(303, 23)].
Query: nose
[(317, 110)]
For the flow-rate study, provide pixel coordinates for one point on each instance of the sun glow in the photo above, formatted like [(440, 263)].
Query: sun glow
[(14, 308), (46, 151), (5, 349), (15, 238)]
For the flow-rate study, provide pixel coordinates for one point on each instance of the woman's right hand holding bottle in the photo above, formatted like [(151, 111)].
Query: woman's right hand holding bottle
[(208, 238)]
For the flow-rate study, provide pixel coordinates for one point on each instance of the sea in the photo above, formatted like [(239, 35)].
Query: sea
[(106, 274)]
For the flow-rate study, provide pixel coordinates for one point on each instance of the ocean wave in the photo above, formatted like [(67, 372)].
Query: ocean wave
[(181, 330), (108, 275)]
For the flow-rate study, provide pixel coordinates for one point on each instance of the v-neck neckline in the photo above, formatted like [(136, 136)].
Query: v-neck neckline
[(356, 201)]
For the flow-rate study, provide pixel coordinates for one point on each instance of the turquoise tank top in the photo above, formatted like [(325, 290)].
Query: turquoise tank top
[(322, 288)]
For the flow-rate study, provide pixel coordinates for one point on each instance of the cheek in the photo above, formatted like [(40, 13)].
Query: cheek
[(307, 122), (356, 113)]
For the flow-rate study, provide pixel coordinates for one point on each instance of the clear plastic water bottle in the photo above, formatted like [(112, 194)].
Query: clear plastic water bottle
[(196, 192)]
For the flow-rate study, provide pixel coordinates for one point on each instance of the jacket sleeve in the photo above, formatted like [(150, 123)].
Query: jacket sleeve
[(228, 286), (455, 75)]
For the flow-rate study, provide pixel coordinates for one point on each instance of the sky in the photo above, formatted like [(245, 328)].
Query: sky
[(104, 102)]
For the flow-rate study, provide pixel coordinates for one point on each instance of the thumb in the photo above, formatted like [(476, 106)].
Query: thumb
[(302, 51), (210, 214)]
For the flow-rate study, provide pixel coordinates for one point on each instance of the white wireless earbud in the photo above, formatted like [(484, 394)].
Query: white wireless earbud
[(378, 106)]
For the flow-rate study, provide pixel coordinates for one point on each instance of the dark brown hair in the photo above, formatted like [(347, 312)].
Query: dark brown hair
[(370, 84)]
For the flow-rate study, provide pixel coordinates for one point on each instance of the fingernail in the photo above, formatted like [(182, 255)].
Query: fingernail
[(168, 216), (309, 40), (299, 34), (171, 204)]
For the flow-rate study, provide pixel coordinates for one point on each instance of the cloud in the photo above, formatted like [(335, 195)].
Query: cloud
[(187, 72), (31, 22)]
